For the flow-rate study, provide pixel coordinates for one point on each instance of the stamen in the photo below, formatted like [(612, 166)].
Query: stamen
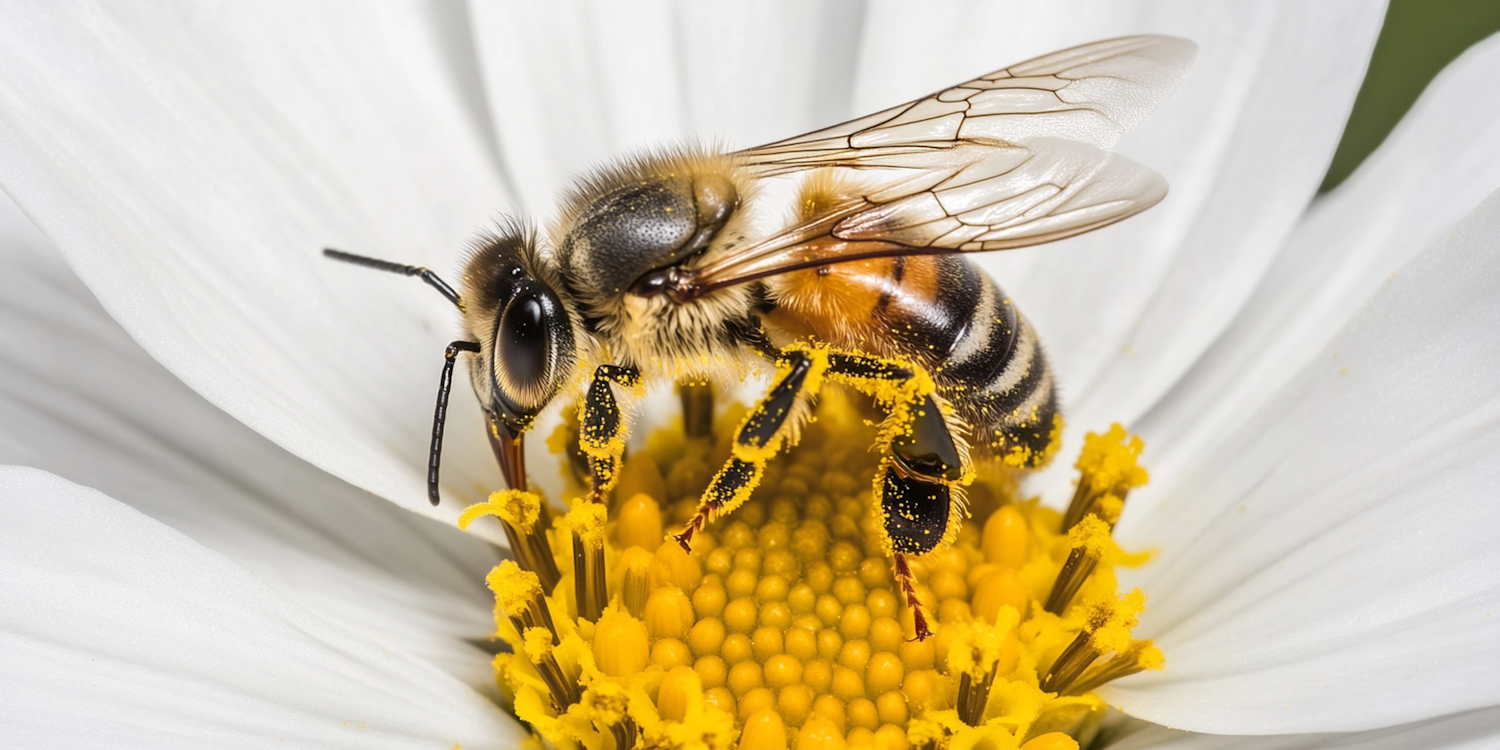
[(518, 596), (1087, 540), (608, 704), (979, 652), (590, 591), (1141, 656), (564, 687), (1108, 467), (520, 514), (1107, 624)]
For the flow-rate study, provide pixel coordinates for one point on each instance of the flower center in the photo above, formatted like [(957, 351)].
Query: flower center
[(784, 627)]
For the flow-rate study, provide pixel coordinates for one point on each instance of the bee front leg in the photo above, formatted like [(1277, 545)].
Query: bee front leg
[(601, 432), (758, 439)]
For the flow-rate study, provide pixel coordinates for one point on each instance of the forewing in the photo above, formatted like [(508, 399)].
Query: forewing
[(971, 198), (1092, 94), (1006, 160)]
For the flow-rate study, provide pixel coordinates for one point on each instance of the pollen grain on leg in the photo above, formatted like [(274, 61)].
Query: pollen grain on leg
[(787, 625)]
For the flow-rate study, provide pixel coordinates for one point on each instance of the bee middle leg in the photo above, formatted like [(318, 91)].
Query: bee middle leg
[(758, 439)]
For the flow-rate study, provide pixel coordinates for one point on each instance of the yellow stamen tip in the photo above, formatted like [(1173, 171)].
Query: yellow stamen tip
[(586, 519), (514, 588), (517, 508), (1110, 460), (1090, 534)]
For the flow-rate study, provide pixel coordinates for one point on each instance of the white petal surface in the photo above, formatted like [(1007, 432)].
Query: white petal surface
[(1473, 730), (1443, 158), (1333, 565), (190, 162), (571, 84), (78, 398), (119, 632)]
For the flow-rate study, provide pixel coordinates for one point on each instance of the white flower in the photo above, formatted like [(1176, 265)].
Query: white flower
[(1317, 389)]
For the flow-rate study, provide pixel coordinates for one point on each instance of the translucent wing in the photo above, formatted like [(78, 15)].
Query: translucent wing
[(1011, 159), (1092, 94)]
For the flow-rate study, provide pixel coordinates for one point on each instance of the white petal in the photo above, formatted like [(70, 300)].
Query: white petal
[(571, 84), (1474, 730), (1332, 566), (191, 164), (1443, 158), (119, 632), (78, 398)]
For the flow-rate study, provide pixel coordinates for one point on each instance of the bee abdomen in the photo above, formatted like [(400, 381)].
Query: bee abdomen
[(997, 377)]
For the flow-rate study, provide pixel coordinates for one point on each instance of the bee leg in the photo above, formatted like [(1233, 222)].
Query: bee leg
[(759, 439), (601, 432), (919, 507), (914, 517)]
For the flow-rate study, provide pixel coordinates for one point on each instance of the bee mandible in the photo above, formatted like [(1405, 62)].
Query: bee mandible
[(662, 267)]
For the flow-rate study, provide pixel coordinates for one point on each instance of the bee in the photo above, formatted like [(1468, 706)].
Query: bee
[(674, 265)]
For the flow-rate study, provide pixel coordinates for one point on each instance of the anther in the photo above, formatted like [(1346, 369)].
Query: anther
[(587, 522), (1108, 467), (520, 514), (1087, 538), (1106, 628)]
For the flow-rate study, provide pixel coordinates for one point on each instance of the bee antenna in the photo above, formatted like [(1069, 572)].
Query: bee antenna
[(385, 265)]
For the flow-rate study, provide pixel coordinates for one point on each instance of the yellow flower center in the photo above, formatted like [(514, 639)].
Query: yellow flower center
[(784, 627)]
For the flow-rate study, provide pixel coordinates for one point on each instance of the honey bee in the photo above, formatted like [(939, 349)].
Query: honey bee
[(665, 267)]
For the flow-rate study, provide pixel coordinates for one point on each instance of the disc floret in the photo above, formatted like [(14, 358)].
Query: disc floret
[(785, 628)]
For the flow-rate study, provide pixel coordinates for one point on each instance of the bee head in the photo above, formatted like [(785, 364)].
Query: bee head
[(526, 331)]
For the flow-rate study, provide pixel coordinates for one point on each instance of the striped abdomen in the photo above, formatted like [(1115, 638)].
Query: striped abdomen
[(946, 313)]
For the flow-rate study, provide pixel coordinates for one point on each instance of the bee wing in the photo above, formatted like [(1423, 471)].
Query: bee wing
[(969, 199), (1011, 159), (1092, 94)]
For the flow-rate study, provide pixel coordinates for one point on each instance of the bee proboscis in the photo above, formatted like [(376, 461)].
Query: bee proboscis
[(655, 271)]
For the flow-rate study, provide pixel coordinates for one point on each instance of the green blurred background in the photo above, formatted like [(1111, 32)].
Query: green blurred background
[(1418, 39)]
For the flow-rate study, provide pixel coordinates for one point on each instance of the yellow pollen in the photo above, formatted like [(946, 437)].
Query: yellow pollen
[(784, 626), (514, 588), (538, 644), (515, 507)]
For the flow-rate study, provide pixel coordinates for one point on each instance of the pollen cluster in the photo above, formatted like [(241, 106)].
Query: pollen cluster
[(783, 628)]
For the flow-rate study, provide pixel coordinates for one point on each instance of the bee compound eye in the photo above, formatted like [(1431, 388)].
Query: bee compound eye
[(523, 350)]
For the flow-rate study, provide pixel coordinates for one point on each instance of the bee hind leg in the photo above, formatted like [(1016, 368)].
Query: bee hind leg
[(914, 520), (759, 438), (918, 487)]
